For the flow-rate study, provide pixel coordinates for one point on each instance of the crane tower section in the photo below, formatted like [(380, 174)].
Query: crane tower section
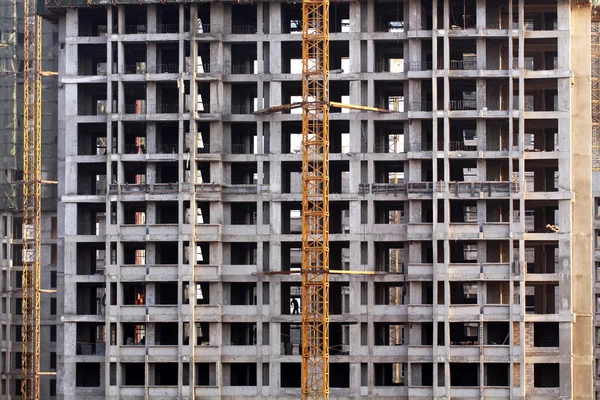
[(32, 181), (315, 199)]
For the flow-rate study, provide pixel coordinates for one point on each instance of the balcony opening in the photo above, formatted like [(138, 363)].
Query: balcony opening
[(496, 136), (339, 375), (167, 99), (389, 17), (496, 333), (167, 173), (339, 298), (463, 171), (389, 374), (134, 294), (546, 375), (390, 96), (90, 258), (165, 334), (464, 374), (91, 179), (242, 294), (291, 256), (291, 20), (134, 253), (424, 331), (541, 258), (202, 293), (463, 16), (90, 339), (243, 173), (541, 298), (546, 334), (497, 293), (134, 61), (202, 254), (166, 212), (243, 213), (463, 292), (244, 99), (339, 256), (87, 375), (389, 138), (463, 252), (339, 221), (463, 54), (542, 217), (291, 218), (463, 211), (202, 333), (91, 23), (291, 375), (134, 173), (243, 20), (463, 95), (339, 17), (134, 334), (134, 213), (388, 334), (243, 138), (390, 293), (464, 333), (339, 339), (538, 18), (289, 293), (167, 253), (91, 219), (133, 374), (291, 177), (291, 339), (241, 333), (91, 139), (422, 374), (542, 135), (165, 374), (91, 99), (206, 374), (389, 57), (243, 253), (496, 374), (202, 213), (389, 172), (241, 374), (497, 211), (463, 135), (167, 138), (91, 299), (166, 293)]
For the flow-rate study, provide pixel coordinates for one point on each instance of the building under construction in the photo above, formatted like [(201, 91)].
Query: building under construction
[(11, 202), (462, 217)]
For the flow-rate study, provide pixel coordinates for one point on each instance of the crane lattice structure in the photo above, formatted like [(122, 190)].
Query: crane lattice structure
[(595, 94), (315, 199), (32, 198)]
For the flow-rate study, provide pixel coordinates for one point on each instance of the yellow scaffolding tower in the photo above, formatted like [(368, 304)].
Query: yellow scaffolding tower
[(595, 95), (315, 199), (32, 195)]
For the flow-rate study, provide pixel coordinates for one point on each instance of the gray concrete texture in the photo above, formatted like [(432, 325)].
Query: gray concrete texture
[(468, 201)]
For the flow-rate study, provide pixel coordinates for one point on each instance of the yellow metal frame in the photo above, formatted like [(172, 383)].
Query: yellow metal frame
[(595, 95), (32, 195), (315, 199)]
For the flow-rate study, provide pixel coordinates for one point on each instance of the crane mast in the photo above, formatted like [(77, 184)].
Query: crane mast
[(32, 187), (315, 199)]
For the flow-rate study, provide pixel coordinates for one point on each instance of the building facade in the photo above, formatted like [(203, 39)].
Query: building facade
[(178, 220)]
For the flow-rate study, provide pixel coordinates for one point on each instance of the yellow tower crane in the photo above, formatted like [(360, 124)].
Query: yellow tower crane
[(315, 199), (315, 196), (32, 201), (32, 195)]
